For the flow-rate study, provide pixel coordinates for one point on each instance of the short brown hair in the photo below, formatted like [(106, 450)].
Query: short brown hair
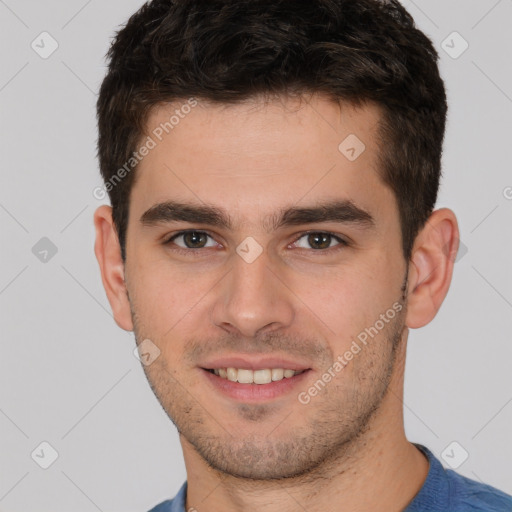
[(230, 50)]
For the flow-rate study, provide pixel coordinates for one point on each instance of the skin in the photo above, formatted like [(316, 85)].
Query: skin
[(347, 446)]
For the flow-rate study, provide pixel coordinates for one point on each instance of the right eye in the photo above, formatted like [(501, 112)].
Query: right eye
[(191, 240)]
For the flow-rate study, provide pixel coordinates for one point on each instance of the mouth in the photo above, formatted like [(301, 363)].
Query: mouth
[(255, 381)]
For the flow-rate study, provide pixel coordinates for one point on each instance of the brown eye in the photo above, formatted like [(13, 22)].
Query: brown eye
[(191, 240), (319, 240), (194, 239)]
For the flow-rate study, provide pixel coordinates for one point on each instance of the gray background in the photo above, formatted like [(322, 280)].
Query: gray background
[(68, 375)]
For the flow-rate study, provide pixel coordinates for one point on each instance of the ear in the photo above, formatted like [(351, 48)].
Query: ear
[(431, 267), (108, 254)]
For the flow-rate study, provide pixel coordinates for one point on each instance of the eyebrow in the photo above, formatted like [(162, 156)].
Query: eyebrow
[(341, 211)]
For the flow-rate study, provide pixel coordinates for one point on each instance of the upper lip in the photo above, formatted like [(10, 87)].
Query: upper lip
[(254, 362)]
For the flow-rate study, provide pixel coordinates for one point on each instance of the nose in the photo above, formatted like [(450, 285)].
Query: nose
[(252, 297)]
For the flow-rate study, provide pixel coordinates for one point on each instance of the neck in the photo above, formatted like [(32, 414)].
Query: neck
[(379, 471)]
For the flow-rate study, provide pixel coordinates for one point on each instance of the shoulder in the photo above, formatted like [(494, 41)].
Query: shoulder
[(444, 489), (165, 506), (470, 495), (177, 504)]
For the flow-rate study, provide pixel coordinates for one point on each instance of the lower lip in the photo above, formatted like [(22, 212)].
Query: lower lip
[(255, 392)]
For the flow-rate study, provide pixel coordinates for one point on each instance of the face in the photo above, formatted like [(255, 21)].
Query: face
[(274, 251)]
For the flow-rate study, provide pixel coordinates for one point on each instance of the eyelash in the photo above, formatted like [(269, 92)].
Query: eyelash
[(195, 251)]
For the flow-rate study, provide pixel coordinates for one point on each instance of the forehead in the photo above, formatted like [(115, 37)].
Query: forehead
[(259, 155)]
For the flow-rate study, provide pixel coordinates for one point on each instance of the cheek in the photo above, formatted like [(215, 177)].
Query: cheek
[(347, 301), (162, 295)]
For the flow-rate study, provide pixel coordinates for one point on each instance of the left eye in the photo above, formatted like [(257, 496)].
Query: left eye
[(320, 240)]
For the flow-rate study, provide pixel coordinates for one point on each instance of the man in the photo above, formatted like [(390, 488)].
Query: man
[(273, 169)]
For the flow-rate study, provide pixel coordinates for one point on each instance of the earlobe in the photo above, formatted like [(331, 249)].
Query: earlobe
[(431, 267), (108, 254)]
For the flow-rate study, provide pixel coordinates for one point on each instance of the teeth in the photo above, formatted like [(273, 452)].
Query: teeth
[(255, 376), (262, 376), (232, 374), (277, 374), (245, 376)]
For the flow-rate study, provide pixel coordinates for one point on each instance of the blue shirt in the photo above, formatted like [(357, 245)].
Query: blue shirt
[(443, 491)]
